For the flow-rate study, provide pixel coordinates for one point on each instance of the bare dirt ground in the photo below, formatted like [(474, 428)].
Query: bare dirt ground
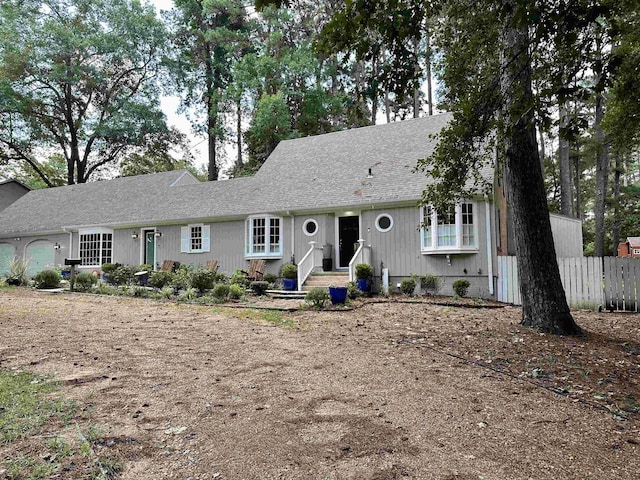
[(385, 391)]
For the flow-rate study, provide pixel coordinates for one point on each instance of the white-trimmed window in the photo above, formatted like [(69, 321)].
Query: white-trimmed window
[(263, 236), (195, 238), (636, 251), (449, 232), (95, 247), (310, 227)]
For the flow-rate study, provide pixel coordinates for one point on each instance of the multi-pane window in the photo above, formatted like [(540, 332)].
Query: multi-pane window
[(448, 231), (96, 248), (264, 236), (468, 231), (196, 237)]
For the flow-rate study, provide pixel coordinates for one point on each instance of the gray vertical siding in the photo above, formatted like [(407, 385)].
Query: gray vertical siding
[(323, 235), (399, 250)]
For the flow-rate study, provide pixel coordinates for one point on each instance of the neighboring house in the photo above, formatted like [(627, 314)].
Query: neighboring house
[(630, 248), (10, 191), (353, 192)]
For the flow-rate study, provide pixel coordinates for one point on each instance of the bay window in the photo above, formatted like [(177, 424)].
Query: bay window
[(450, 231), (263, 236)]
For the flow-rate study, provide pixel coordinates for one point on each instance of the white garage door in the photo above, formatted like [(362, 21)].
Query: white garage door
[(7, 252), (40, 256)]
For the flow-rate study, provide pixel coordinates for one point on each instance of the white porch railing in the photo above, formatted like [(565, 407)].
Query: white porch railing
[(362, 255), (311, 260)]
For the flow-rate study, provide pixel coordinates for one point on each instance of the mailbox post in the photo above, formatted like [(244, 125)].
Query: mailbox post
[(72, 262)]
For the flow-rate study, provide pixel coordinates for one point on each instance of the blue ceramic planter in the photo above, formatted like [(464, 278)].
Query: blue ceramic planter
[(289, 283), (363, 284), (338, 295)]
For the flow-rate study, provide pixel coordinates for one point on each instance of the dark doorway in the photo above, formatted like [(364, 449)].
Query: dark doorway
[(348, 235)]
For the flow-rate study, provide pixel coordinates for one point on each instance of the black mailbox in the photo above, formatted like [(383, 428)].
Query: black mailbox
[(72, 261)]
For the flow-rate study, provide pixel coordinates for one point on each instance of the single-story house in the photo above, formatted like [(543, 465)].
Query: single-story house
[(351, 195), (630, 248)]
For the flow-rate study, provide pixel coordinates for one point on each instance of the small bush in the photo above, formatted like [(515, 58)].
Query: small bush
[(238, 277), (160, 279), (107, 268), (431, 283), (122, 275), (166, 292), (220, 290), (461, 287), (259, 287), (220, 277), (84, 281), (182, 278), (104, 289), (270, 278), (202, 279), (188, 294), (363, 271), (17, 272), (235, 291), (47, 279), (145, 267), (317, 297), (289, 270), (408, 286), (353, 291), (136, 291)]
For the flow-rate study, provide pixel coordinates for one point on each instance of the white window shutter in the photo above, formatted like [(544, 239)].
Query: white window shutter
[(185, 239), (206, 238)]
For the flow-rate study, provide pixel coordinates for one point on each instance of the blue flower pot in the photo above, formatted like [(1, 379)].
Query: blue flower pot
[(289, 283), (363, 284), (338, 295)]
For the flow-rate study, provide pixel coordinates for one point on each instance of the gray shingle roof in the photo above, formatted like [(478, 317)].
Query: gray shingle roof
[(308, 173)]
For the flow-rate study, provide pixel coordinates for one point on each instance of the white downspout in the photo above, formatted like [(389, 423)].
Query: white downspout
[(293, 234), (489, 248)]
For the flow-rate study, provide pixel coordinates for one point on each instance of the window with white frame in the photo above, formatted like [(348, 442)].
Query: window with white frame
[(195, 238), (95, 247), (449, 232), (263, 236), (636, 251)]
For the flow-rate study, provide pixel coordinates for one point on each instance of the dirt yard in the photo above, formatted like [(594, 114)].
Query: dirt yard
[(385, 391)]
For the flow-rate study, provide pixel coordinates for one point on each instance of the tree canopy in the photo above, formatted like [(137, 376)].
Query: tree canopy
[(77, 79)]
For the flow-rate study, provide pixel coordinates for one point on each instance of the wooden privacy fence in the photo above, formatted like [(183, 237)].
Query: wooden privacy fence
[(613, 282)]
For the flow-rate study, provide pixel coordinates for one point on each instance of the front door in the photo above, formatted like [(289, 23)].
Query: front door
[(348, 236), (150, 247)]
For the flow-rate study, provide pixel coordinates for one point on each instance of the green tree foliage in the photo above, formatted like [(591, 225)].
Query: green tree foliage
[(208, 36), (77, 78)]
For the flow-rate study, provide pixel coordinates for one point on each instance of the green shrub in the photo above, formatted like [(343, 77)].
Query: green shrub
[(317, 297), (270, 277), (353, 291), (166, 292), (182, 278), (17, 272), (220, 290), (107, 268), (136, 291), (220, 277), (47, 279), (431, 283), (408, 286), (289, 270), (461, 287), (363, 271), (259, 287), (145, 267), (84, 281), (238, 277), (104, 289), (188, 294), (160, 279), (202, 279), (235, 291), (122, 275)]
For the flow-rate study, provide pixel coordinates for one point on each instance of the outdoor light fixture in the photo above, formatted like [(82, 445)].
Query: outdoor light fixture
[(158, 234), (134, 235), (17, 239), (56, 246)]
